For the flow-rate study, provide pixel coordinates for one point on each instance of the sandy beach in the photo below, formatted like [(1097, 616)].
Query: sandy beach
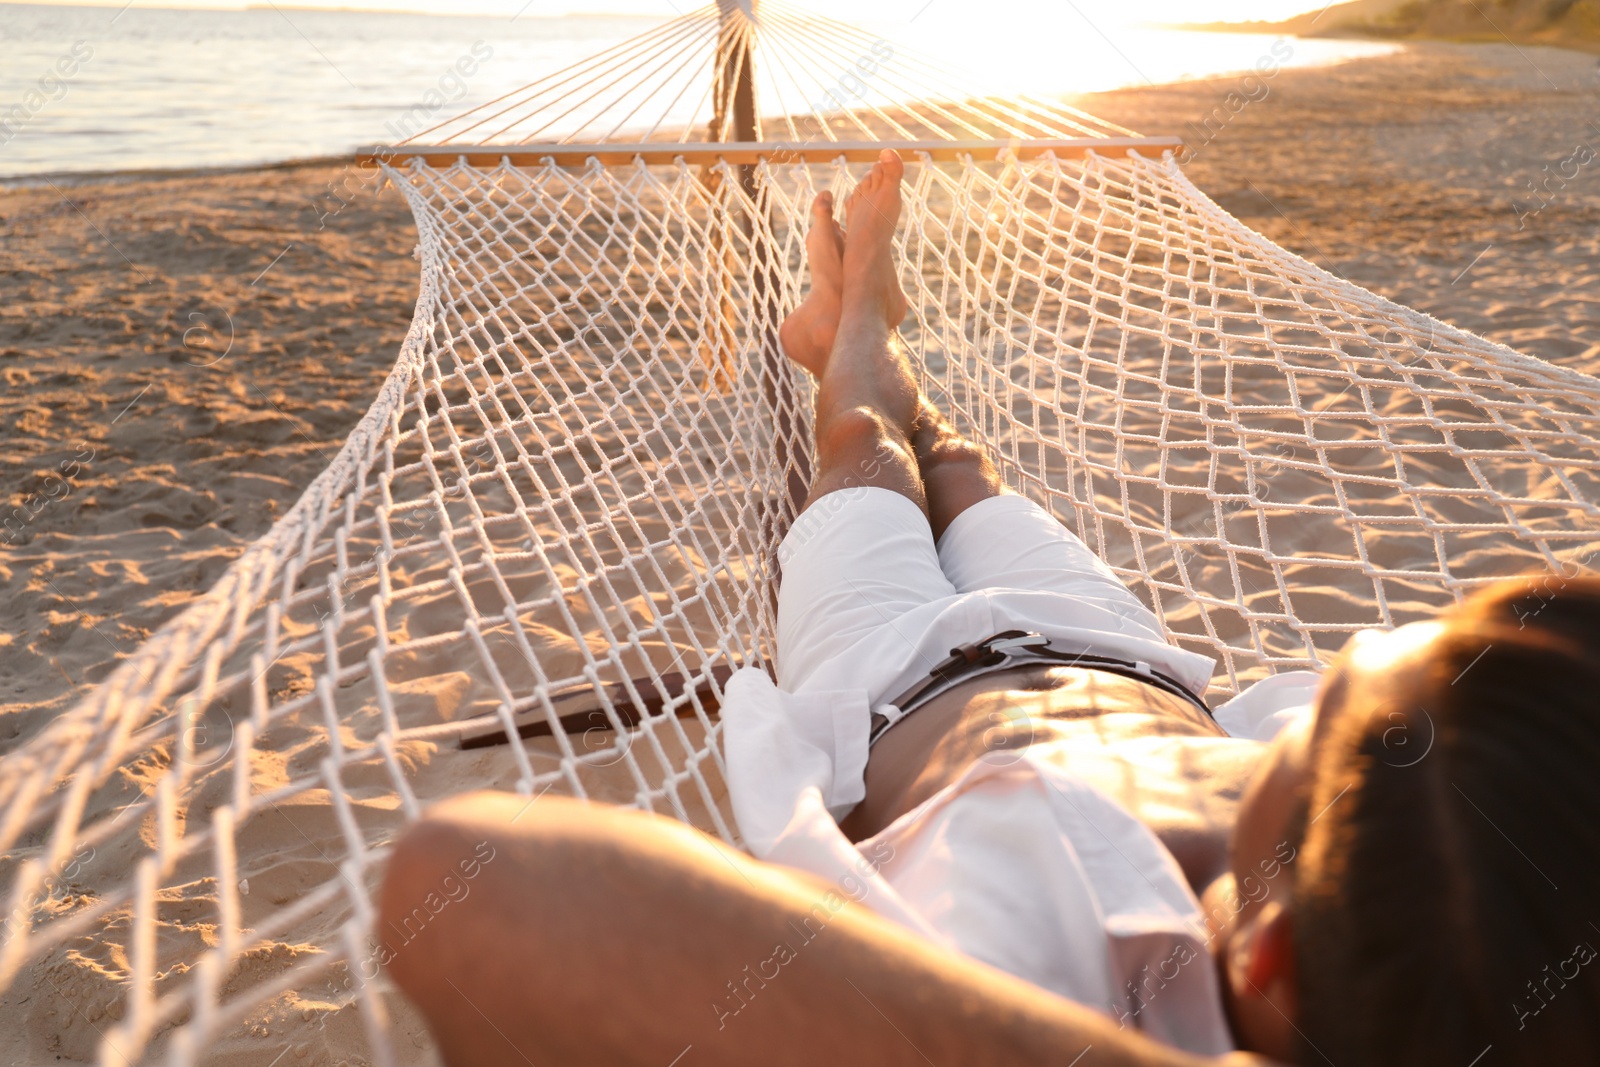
[(1434, 154), (195, 349), (183, 354)]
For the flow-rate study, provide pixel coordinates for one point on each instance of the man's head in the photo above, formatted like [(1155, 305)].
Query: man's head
[(1439, 820)]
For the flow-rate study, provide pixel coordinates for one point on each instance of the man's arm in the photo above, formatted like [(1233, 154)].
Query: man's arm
[(602, 936)]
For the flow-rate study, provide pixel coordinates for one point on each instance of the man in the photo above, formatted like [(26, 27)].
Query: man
[(1048, 849)]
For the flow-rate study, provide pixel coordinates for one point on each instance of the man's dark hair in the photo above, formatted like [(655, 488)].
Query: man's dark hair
[(1447, 905)]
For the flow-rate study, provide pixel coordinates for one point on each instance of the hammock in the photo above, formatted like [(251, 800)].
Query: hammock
[(559, 517)]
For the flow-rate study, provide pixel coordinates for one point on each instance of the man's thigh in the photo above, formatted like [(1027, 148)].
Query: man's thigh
[(855, 562), (1010, 542)]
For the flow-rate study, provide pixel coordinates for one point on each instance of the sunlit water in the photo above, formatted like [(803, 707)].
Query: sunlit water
[(92, 89)]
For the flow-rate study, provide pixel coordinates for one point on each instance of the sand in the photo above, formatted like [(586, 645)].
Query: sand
[(1400, 172), (142, 464), (188, 393)]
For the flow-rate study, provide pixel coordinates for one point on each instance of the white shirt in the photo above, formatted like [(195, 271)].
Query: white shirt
[(1020, 863)]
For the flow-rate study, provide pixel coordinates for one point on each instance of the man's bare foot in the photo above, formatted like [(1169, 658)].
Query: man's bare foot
[(808, 332), (872, 212)]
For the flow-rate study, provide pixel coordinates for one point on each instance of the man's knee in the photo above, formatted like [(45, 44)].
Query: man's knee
[(951, 451), (956, 474), (452, 872), (858, 434), (488, 843), (435, 865), (859, 447), (429, 846)]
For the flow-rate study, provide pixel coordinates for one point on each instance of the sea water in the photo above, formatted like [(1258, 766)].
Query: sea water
[(88, 89)]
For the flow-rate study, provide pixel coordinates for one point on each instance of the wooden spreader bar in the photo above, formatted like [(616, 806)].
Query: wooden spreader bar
[(668, 152), (579, 710)]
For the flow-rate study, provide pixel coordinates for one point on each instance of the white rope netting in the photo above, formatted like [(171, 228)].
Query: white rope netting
[(574, 480)]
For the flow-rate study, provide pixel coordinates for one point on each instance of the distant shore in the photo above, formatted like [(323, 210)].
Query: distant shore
[(1520, 22)]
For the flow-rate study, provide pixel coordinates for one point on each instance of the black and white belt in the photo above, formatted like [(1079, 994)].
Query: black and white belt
[(1014, 648)]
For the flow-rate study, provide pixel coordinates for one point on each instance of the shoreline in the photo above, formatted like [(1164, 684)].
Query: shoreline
[(65, 178)]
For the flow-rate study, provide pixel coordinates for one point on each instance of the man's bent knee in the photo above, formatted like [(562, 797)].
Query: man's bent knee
[(436, 866), (473, 848)]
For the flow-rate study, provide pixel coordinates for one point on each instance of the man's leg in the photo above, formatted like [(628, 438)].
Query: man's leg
[(867, 400), (956, 473), (595, 935), (862, 553)]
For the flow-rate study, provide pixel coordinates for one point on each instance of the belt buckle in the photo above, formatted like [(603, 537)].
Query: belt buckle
[(1010, 646)]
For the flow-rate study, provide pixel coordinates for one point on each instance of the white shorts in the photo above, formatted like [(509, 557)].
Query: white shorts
[(868, 601)]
